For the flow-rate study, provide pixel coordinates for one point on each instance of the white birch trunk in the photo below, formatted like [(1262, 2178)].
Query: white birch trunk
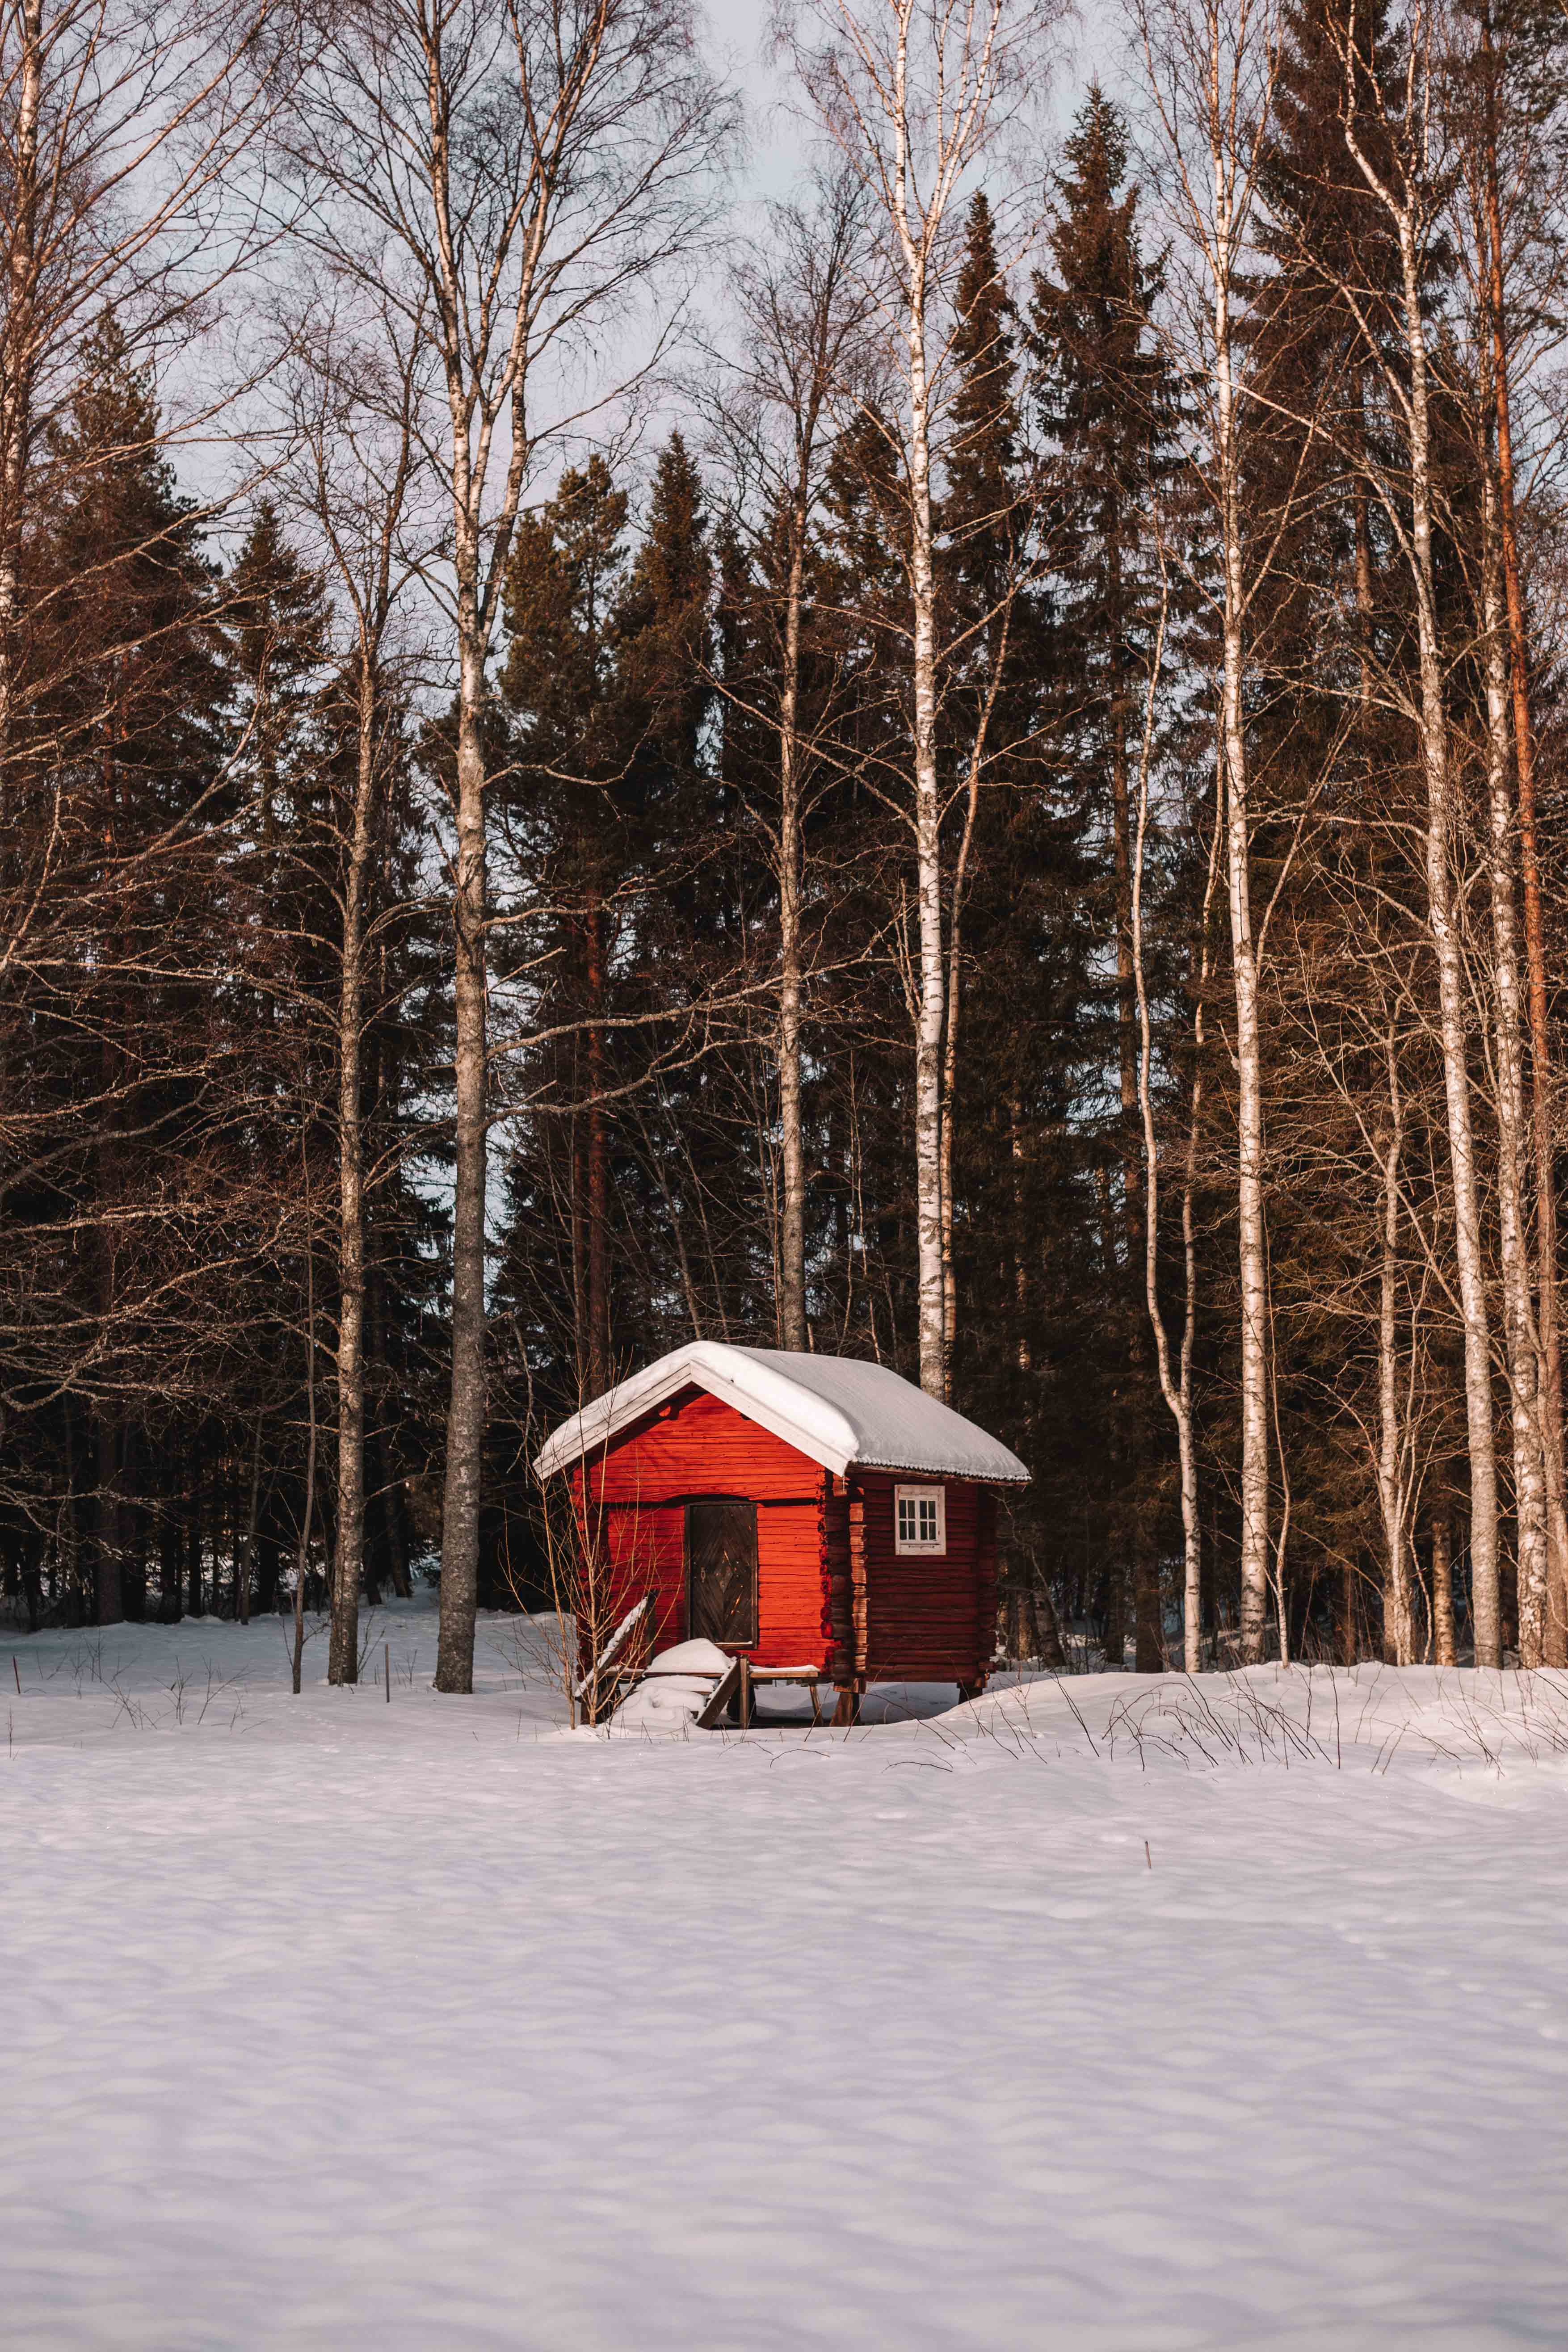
[(908, 88), (1549, 1374), (792, 1221), (1178, 1392), (1443, 1648), (18, 357), (1432, 727), (465, 1412), (342, 1664), (1398, 1629), (1252, 1246), (1523, 1363), (931, 999), (964, 63), (1434, 730), (997, 657)]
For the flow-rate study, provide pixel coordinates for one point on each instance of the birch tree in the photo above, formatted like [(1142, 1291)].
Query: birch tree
[(1175, 1385), (1406, 179), (355, 399), (800, 308), (1210, 68), (916, 94), (1519, 92), (1527, 1386), (515, 178), (1509, 91)]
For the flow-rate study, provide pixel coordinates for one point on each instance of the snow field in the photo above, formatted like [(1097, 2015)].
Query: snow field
[(331, 2022)]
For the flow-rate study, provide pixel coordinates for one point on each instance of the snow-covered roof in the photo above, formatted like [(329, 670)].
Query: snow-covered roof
[(834, 1408)]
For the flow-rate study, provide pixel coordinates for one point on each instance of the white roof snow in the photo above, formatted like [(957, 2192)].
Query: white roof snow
[(834, 1408)]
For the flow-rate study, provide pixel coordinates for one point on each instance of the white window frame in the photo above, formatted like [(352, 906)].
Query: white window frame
[(917, 1495)]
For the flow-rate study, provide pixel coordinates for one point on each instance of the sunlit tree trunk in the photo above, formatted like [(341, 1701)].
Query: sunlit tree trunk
[(1177, 1391), (467, 1408), (598, 1292), (909, 89), (1549, 1378), (1400, 199), (342, 1665), (792, 1147), (1528, 1469), (1252, 1243), (1443, 1590), (1397, 1630), (931, 990), (1446, 939), (18, 352)]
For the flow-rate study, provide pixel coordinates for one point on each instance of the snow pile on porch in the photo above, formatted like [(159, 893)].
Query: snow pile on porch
[(1120, 2011), (675, 1688)]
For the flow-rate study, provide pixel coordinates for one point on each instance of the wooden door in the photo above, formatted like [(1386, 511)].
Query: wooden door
[(721, 1571)]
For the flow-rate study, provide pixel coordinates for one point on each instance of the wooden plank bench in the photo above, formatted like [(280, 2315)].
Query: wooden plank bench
[(741, 1681), (810, 1677)]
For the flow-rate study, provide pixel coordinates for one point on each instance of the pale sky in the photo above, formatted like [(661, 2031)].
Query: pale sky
[(1090, 41)]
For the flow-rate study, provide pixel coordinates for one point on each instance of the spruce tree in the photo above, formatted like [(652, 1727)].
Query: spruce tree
[(275, 609), (125, 1081), (568, 807), (1107, 401)]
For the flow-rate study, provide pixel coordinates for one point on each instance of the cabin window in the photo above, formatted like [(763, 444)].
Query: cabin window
[(919, 1518)]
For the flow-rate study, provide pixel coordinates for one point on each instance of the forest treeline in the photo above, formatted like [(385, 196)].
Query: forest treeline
[(965, 769)]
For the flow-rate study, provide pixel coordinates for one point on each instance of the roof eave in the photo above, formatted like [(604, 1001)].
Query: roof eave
[(1019, 1477), (554, 1455)]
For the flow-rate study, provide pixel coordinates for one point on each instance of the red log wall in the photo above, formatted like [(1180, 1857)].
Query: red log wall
[(927, 1618), (708, 1448), (930, 1617)]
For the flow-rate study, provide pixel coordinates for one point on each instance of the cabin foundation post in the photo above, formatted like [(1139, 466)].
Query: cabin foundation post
[(847, 1710)]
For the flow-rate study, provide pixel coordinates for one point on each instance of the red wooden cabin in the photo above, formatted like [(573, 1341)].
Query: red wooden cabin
[(812, 1512)]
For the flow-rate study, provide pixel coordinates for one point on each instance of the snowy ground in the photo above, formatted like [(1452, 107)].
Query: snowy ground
[(1221, 2015)]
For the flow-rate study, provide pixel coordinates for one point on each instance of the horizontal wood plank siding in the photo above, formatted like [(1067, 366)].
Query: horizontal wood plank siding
[(985, 1574), (708, 1448), (927, 1620)]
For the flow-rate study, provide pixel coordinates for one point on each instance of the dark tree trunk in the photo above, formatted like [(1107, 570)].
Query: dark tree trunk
[(268, 1562), (171, 1554), (32, 1581), (1052, 1652), (1115, 1619), (1443, 1648), (468, 1408), (111, 1606), (193, 1531), (389, 1485), (135, 1527)]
